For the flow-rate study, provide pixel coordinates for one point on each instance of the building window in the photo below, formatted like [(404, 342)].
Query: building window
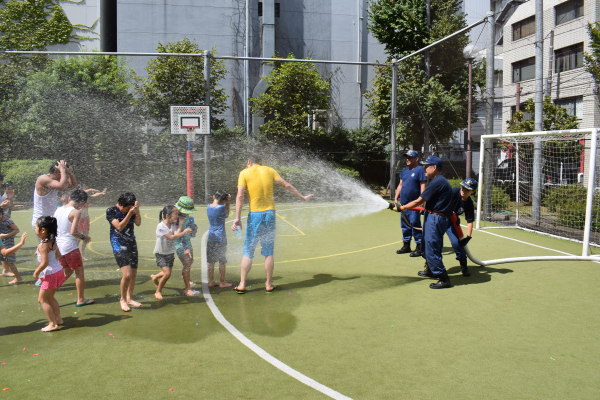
[(568, 11), (568, 58), (574, 105), (527, 116), (497, 110), (277, 9), (523, 70), (523, 28), (498, 78)]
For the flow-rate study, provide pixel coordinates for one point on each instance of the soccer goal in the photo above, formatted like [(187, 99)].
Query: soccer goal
[(547, 182)]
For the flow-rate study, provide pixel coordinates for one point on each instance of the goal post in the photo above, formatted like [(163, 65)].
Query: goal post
[(568, 184)]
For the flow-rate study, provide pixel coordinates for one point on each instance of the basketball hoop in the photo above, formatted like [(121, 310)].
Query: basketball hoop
[(191, 134), (188, 120)]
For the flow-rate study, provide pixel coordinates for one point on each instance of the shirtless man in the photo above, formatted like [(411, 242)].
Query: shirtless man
[(47, 186)]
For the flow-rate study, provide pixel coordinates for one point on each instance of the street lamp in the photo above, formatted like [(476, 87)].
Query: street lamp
[(468, 53)]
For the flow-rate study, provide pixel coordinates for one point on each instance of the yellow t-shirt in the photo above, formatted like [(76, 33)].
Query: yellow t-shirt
[(258, 181)]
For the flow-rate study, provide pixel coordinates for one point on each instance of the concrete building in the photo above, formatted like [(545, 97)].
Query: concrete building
[(320, 29), (565, 40)]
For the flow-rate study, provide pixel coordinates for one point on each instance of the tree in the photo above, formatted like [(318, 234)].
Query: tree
[(26, 25), (180, 80), (433, 97), (555, 118), (592, 59), (296, 91), (79, 109)]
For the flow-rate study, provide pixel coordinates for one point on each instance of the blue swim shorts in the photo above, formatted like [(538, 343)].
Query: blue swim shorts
[(260, 227)]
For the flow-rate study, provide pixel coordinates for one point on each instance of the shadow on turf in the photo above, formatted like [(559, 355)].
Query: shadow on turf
[(70, 323), (478, 275), (318, 279)]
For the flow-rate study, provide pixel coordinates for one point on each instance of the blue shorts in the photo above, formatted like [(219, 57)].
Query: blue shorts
[(260, 227)]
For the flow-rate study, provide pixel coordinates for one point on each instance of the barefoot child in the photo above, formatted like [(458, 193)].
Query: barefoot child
[(49, 271), (122, 218), (167, 231), (68, 235), (216, 248), (8, 230), (183, 245)]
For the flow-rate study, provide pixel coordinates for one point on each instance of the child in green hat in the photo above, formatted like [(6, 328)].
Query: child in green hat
[(183, 245)]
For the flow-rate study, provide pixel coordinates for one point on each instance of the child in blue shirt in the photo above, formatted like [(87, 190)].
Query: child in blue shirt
[(216, 249)]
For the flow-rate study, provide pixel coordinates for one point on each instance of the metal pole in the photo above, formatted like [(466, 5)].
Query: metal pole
[(200, 54), (393, 130), (469, 111), (539, 99), (488, 18), (207, 87), (247, 73), (482, 181), (590, 192), (489, 116), (426, 133)]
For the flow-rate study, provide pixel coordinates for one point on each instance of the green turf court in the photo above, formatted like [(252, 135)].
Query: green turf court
[(350, 314)]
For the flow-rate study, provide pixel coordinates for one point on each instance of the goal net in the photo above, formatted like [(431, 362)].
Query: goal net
[(547, 182)]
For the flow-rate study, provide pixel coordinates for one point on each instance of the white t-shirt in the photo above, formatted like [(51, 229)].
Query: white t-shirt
[(164, 245), (65, 241)]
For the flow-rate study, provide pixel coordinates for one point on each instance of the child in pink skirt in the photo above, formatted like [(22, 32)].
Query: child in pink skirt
[(49, 271)]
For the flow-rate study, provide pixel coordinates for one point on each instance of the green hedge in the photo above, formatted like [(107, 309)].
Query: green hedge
[(500, 199), (568, 202)]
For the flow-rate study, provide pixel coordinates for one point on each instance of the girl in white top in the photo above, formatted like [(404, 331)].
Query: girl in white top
[(49, 271), (167, 231), (67, 240)]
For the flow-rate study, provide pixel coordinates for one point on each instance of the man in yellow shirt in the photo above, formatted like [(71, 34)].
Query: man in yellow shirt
[(258, 180)]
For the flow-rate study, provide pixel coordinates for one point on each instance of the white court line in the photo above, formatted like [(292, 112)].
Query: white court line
[(523, 242), (250, 344)]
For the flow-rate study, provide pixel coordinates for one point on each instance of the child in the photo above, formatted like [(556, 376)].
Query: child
[(183, 245), (84, 218), (8, 230), (167, 231), (463, 204), (122, 218), (49, 271), (216, 249), (68, 235)]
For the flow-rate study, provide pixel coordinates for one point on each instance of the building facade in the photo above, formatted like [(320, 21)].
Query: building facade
[(566, 40), (319, 29)]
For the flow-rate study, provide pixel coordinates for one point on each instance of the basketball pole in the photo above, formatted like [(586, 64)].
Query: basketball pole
[(189, 164)]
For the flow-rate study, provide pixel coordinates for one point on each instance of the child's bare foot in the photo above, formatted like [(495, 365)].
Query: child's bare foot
[(124, 306), (7, 273), (189, 292), (212, 284), (50, 328), (224, 284), (155, 279), (134, 303), (158, 296), (15, 281)]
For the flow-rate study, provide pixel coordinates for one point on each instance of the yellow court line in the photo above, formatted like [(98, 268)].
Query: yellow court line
[(338, 254), (290, 224), (97, 218)]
